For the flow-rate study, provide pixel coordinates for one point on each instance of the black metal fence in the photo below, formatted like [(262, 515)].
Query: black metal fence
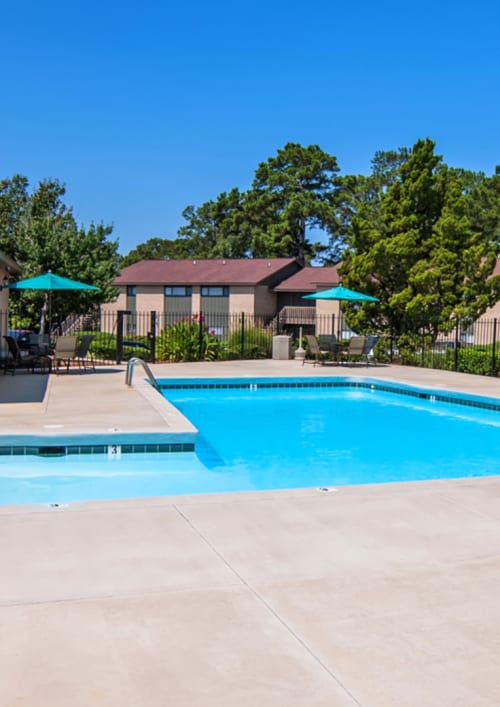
[(160, 336)]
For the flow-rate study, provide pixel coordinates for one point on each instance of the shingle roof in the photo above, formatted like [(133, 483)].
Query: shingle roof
[(249, 271), (310, 279)]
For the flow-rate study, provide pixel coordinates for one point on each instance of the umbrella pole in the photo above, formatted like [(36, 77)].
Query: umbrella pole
[(50, 314)]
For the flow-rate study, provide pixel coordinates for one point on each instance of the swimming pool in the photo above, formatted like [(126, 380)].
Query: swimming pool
[(266, 434)]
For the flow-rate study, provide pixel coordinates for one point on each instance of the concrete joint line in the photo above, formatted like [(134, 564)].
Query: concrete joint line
[(269, 608)]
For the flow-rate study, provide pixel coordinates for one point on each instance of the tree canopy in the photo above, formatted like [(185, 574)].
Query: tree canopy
[(418, 240), (40, 232), (292, 193), (421, 236)]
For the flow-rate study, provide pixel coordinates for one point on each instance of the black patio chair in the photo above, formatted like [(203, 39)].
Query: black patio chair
[(16, 359)]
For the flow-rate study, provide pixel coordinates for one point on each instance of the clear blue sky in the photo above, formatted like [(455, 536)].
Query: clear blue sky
[(144, 108)]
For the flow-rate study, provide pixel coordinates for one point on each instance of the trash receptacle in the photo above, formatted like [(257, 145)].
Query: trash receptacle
[(282, 347)]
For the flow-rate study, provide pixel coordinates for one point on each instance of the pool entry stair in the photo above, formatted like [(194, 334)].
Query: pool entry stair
[(130, 372)]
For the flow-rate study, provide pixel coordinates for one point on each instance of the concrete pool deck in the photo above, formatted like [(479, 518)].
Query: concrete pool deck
[(360, 596)]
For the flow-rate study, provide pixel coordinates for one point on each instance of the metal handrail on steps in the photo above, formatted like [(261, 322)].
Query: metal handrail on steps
[(130, 372)]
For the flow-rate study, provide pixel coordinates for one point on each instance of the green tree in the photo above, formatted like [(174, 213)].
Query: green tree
[(157, 249), (292, 192), (217, 229), (414, 242), (40, 232)]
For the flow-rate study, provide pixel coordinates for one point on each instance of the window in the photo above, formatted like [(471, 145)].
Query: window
[(215, 291), (131, 291), (177, 291)]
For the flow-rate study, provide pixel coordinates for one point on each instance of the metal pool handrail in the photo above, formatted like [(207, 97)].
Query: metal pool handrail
[(147, 370)]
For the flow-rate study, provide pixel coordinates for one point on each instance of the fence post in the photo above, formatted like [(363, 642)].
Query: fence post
[(457, 341), (493, 349), (152, 337), (242, 353), (120, 315), (200, 337)]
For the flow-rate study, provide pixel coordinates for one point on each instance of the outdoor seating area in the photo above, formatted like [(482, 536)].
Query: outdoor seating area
[(35, 353), (326, 348)]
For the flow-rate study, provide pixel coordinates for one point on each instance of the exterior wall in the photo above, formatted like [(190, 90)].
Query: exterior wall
[(328, 312), (119, 303), (265, 300), (492, 312), (108, 311), (150, 298), (196, 299), (241, 299)]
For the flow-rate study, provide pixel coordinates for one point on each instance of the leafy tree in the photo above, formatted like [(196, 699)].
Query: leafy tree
[(291, 192), (40, 232), (157, 249), (217, 229), (416, 242), (14, 204)]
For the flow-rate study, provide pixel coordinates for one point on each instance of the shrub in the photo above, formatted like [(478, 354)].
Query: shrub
[(187, 340), (250, 342)]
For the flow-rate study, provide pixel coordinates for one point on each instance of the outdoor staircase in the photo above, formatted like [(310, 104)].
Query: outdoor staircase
[(79, 322)]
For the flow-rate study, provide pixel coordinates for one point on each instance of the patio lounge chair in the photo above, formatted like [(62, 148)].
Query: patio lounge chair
[(315, 350), (68, 349), (64, 351), (16, 359), (355, 350), (370, 342), (83, 356)]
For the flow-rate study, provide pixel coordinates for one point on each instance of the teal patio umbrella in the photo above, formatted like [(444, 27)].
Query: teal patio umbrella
[(49, 282), (342, 294)]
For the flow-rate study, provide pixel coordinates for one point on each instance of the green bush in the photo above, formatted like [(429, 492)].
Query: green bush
[(470, 359), (476, 360), (248, 342), (187, 340)]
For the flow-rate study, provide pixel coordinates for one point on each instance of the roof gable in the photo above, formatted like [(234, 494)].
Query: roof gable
[(310, 279)]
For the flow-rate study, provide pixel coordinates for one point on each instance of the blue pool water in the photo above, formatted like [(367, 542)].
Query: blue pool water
[(261, 438)]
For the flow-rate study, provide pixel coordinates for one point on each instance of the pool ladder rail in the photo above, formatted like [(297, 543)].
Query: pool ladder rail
[(130, 372)]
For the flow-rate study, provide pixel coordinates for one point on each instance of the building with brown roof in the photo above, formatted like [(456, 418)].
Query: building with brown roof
[(266, 287), (223, 286), (260, 287)]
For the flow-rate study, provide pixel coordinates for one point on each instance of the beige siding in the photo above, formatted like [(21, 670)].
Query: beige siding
[(492, 312), (328, 312), (195, 299), (119, 303), (149, 298), (241, 299), (265, 300)]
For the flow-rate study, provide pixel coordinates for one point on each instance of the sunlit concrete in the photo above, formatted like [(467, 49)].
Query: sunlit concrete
[(363, 596)]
